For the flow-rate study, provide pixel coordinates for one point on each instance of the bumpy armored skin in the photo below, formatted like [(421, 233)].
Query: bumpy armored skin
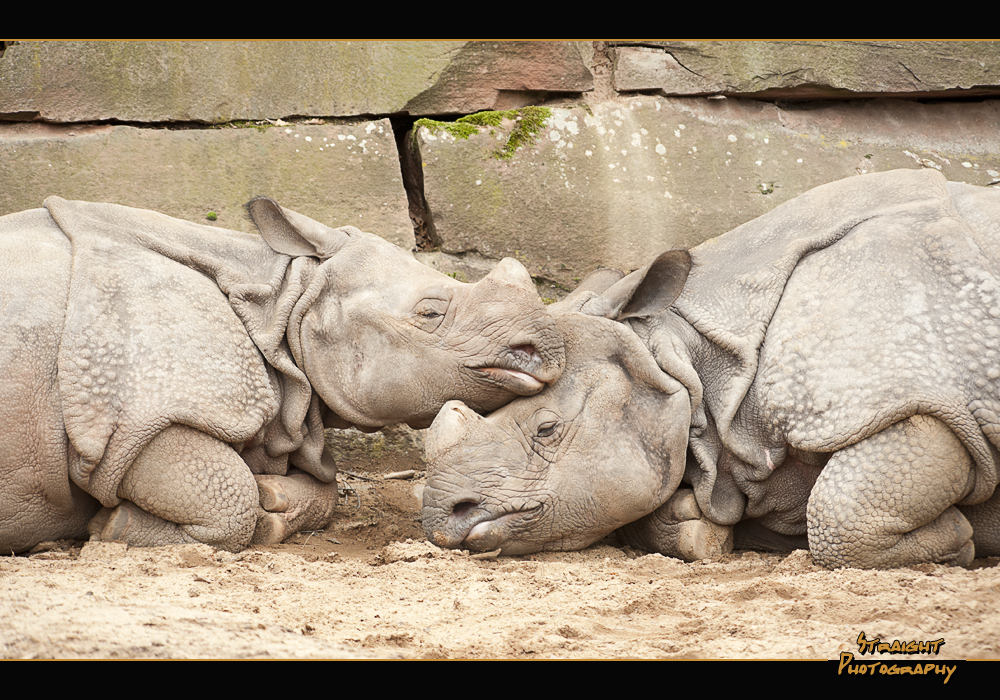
[(827, 375), (887, 500), (164, 379)]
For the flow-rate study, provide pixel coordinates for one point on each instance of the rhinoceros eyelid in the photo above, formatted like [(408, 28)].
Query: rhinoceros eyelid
[(546, 429), (431, 305), (429, 312)]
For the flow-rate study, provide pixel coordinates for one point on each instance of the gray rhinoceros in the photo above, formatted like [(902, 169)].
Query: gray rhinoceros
[(155, 369), (827, 375)]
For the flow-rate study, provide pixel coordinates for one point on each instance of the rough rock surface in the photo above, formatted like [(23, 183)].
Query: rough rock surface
[(213, 82), (809, 69), (619, 182), (337, 174)]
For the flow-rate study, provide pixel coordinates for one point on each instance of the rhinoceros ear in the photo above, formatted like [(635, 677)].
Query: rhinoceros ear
[(294, 234), (597, 282), (646, 291)]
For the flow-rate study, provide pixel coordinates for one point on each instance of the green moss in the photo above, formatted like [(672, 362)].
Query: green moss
[(528, 121), (456, 129), (488, 118), (243, 124), (211, 216)]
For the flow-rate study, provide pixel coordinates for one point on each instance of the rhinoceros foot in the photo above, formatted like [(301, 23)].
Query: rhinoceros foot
[(129, 523), (679, 529), (292, 503), (272, 528), (985, 520)]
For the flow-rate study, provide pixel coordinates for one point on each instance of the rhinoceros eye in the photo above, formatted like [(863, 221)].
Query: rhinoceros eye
[(546, 429), (428, 313), (546, 439)]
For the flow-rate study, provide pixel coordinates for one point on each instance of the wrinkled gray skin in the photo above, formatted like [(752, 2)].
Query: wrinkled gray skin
[(825, 376), (164, 380)]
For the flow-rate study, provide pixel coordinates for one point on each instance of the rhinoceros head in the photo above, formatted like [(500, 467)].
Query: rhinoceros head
[(385, 339), (600, 448)]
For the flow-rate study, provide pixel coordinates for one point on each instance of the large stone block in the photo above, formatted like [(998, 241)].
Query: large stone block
[(624, 181), (335, 174), (220, 81), (810, 69)]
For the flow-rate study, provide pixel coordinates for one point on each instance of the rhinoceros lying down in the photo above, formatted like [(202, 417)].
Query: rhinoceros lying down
[(829, 376), (154, 366)]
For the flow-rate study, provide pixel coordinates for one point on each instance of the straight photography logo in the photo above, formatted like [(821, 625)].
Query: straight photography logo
[(848, 666)]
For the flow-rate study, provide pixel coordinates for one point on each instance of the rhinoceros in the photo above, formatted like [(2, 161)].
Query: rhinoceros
[(824, 376), (156, 369)]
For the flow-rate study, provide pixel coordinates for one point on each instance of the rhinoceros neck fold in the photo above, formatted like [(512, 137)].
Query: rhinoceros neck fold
[(167, 322)]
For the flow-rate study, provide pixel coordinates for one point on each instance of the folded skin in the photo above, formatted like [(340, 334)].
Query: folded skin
[(132, 336), (826, 377)]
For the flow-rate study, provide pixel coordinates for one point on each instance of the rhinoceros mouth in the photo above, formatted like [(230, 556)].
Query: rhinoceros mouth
[(491, 533), (468, 526), (516, 381), (521, 369)]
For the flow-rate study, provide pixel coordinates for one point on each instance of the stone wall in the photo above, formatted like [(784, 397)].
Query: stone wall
[(640, 146)]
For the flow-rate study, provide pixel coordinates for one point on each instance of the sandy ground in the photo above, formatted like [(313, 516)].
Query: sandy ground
[(371, 586)]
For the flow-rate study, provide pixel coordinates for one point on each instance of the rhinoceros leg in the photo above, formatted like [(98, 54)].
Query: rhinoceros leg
[(185, 487), (887, 501), (985, 520), (293, 503), (678, 529)]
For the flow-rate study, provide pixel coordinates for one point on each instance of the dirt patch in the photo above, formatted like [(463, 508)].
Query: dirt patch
[(370, 586)]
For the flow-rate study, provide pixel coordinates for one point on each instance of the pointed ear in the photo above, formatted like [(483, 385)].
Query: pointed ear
[(646, 291), (294, 234)]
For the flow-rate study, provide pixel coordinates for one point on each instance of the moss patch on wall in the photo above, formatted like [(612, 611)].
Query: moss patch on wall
[(528, 121)]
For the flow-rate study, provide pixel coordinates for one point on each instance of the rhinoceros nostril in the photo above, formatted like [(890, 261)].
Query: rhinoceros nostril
[(459, 510), (525, 351)]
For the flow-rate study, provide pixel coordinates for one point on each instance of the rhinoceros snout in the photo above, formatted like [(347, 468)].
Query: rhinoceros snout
[(447, 527)]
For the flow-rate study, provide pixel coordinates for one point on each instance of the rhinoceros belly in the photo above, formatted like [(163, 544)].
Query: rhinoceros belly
[(37, 499)]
